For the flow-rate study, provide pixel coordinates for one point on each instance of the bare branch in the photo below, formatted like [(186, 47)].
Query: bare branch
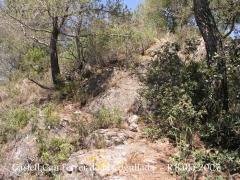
[(29, 27), (32, 37), (40, 85), (232, 27), (73, 36)]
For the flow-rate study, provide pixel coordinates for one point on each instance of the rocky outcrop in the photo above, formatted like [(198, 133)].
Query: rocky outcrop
[(122, 95), (108, 137), (139, 160)]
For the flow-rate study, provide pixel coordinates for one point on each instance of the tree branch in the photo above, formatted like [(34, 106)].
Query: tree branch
[(124, 35), (232, 27), (40, 85), (32, 37), (29, 27)]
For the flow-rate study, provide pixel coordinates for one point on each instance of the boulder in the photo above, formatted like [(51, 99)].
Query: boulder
[(134, 127), (122, 95), (132, 122), (111, 163), (23, 153), (133, 119)]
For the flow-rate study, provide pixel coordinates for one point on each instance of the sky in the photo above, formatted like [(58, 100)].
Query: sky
[(132, 4)]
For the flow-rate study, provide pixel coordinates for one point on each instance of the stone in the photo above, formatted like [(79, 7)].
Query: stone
[(110, 137), (77, 113), (133, 119), (64, 122), (152, 53), (155, 57), (134, 127), (4, 174)]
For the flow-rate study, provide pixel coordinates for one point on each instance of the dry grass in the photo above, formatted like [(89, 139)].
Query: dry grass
[(118, 78), (135, 158), (19, 94)]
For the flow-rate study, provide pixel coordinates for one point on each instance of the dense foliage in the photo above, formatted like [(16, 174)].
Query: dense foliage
[(69, 44), (178, 95)]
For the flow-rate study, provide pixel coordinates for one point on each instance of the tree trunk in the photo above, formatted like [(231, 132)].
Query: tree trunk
[(214, 44), (80, 54), (54, 54)]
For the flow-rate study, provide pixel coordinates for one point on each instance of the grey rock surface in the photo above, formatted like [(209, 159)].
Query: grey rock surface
[(109, 137), (122, 95), (107, 163)]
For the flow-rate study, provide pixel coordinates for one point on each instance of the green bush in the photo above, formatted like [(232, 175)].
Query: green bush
[(35, 62), (13, 121), (102, 119), (223, 132), (163, 75), (107, 119), (179, 96), (72, 91), (171, 92), (50, 119), (54, 151)]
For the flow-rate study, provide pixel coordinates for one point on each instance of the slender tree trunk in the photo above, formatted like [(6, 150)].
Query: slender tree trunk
[(80, 55), (54, 54), (213, 42)]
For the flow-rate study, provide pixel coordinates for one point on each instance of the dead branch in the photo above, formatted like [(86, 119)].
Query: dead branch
[(40, 85)]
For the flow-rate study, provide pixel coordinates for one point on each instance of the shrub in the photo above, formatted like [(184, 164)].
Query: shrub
[(179, 94), (163, 75), (107, 119), (54, 151), (104, 118), (170, 92), (35, 62), (50, 119), (13, 121), (225, 131)]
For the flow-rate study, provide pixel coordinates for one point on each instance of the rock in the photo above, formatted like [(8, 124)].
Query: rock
[(156, 47), (132, 122), (121, 96), (77, 113), (152, 53), (4, 174), (3, 96), (155, 57), (118, 163), (24, 152), (108, 137), (142, 69), (45, 99), (64, 122), (134, 127), (201, 52), (133, 119)]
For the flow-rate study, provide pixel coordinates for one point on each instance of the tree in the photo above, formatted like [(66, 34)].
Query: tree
[(165, 14), (215, 51), (12, 49), (47, 22)]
